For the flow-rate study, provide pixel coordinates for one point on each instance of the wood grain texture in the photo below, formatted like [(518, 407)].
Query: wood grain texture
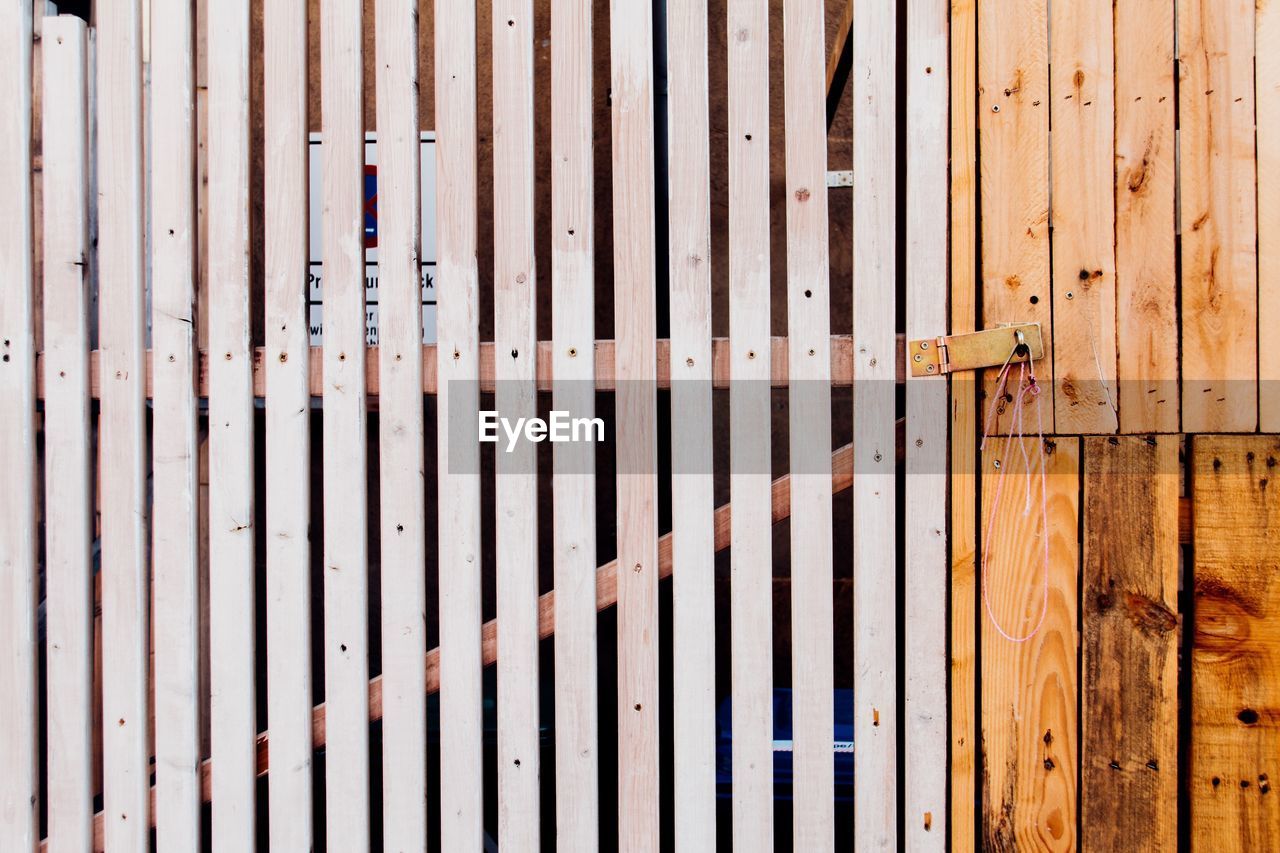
[(1235, 660), (874, 490), (68, 454), (1218, 206), (122, 437), (1082, 81), (1129, 770), (458, 374), (1267, 118), (401, 451), (287, 432), (692, 484), (809, 402), (925, 541), (515, 370), (963, 462), (1146, 243), (751, 555), (346, 548), (573, 362), (176, 513), (1013, 136), (1029, 689)]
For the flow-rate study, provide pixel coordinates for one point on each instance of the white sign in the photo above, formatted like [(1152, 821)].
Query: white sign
[(315, 278)]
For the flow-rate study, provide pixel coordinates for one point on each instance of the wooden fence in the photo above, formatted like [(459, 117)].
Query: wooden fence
[(235, 567)]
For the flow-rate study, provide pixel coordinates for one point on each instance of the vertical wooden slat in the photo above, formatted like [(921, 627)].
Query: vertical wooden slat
[(515, 369), (809, 401), (1013, 134), (458, 378), (1235, 662), (1082, 80), (68, 456), (232, 702), (402, 454), (925, 543), (1029, 691), (573, 366), (1146, 260), (963, 481), (288, 434), (1218, 209), (874, 490), (635, 328), (122, 438), (1267, 71), (176, 514), (346, 548), (692, 484), (1129, 772), (751, 554)]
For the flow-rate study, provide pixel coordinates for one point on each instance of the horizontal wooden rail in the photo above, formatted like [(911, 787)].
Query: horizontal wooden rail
[(606, 597), (841, 367)]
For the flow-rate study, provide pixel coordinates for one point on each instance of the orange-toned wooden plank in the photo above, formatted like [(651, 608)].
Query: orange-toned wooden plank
[(1235, 661), (1129, 770), (1029, 687)]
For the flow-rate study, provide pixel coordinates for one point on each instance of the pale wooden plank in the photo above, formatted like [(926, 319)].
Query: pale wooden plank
[(1129, 775), (1013, 135), (458, 374), (346, 548), (516, 490), (925, 538), (1267, 82), (1235, 659), (874, 490), (809, 403), (750, 419), (1082, 59), (287, 429), (68, 456), (573, 361), (1029, 688), (963, 482), (402, 454), (122, 439), (176, 530), (1146, 245), (1218, 207), (692, 485), (635, 324)]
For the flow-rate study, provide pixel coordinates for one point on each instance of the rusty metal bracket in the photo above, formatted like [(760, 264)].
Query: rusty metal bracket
[(1012, 342)]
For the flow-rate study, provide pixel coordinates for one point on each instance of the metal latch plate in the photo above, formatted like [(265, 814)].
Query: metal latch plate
[(975, 350)]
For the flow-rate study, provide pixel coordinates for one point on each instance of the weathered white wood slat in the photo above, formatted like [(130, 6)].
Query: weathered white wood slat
[(68, 456), (750, 425), (809, 401), (232, 703), (635, 325), (516, 491), (458, 378), (402, 454), (573, 480), (176, 528), (692, 485), (874, 490), (1267, 89), (925, 691), (122, 437), (288, 434), (346, 547)]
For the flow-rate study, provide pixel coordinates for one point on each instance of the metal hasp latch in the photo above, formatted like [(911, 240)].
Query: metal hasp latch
[(996, 347)]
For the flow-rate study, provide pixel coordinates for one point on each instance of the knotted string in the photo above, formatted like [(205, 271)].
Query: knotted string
[(1027, 388)]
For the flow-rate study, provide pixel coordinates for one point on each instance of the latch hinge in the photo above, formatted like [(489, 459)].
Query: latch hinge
[(1012, 342)]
